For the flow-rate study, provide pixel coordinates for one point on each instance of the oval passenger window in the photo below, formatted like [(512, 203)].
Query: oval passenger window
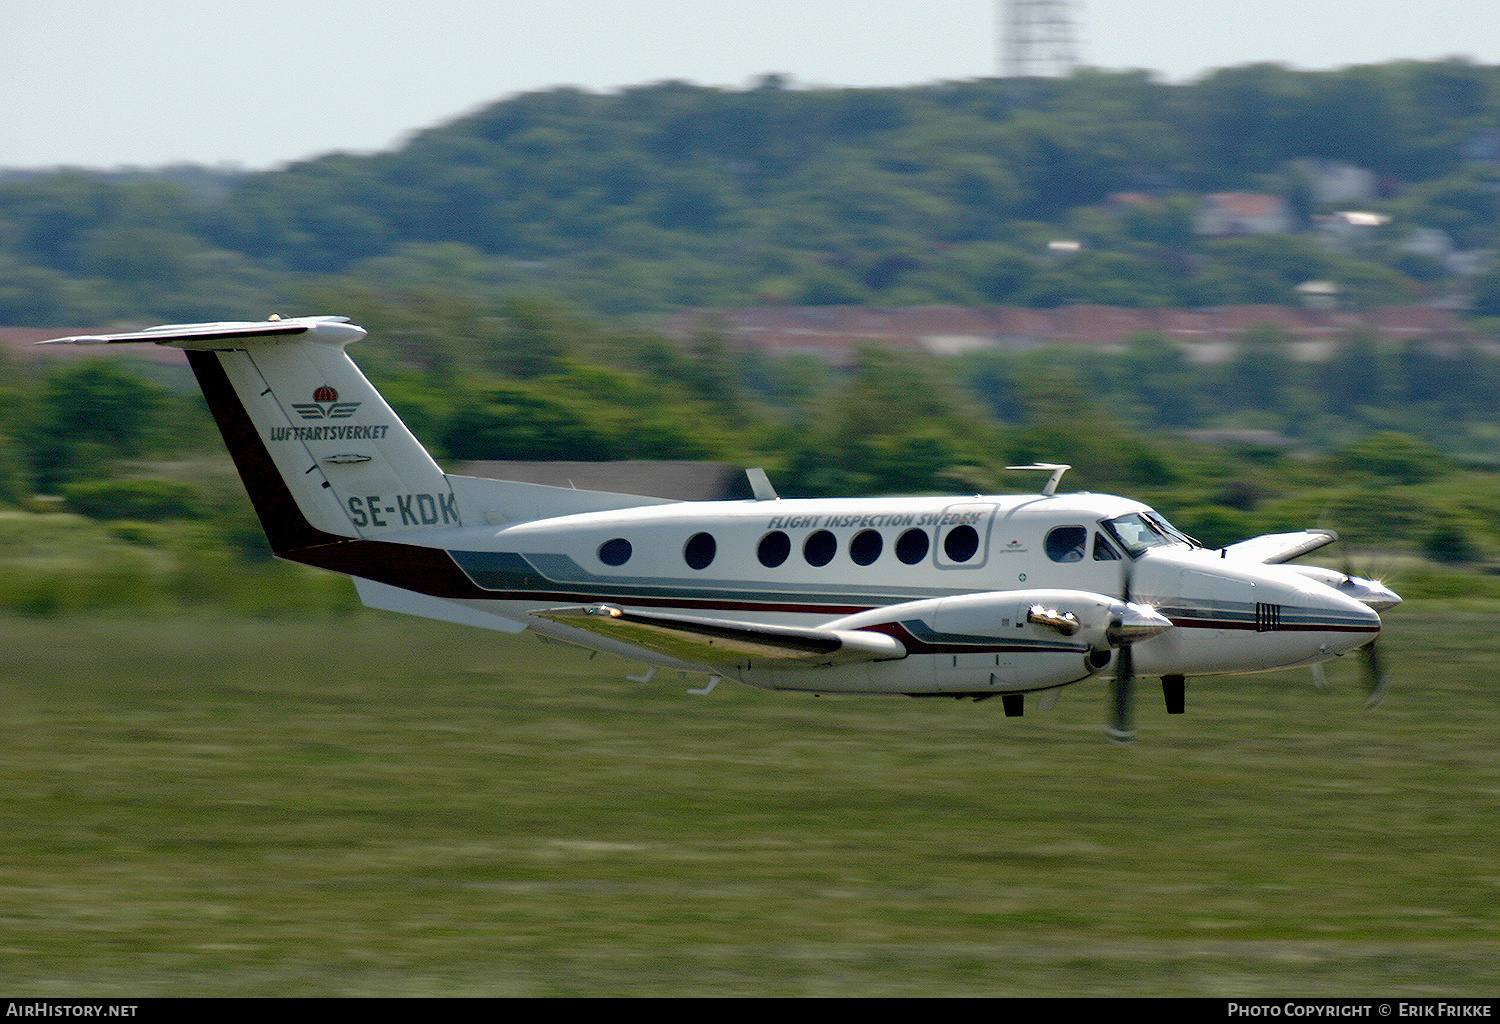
[(774, 549), (819, 548), (961, 544), (700, 550), (912, 546), (615, 552), (866, 547)]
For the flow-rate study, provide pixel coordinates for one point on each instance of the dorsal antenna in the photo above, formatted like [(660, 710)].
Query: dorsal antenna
[(1056, 469)]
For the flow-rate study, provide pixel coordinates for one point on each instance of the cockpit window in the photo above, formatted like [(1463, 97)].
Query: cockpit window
[(1138, 531), (1172, 531), (1104, 551), (1065, 543)]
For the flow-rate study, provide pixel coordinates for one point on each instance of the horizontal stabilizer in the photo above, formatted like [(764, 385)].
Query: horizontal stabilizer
[(227, 334), (1280, 547), (722, 641)]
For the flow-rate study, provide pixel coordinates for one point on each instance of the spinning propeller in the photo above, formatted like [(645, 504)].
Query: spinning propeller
[(1136, 622), (1373, 667), (1376, 673), (1371, 591), (1121, 718)]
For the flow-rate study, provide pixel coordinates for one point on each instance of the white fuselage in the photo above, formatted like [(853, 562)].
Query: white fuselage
[(883, 562)]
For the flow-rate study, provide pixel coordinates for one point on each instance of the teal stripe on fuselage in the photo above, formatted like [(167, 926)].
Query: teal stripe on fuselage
[(512, 572)]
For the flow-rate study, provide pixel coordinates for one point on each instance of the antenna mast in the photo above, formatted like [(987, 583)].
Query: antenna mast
[(1036, 39)]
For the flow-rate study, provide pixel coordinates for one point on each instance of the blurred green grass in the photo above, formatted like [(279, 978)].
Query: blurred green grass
[(362, 804)]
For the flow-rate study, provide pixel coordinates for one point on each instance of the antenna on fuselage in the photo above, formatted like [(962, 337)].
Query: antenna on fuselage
[(760, 485), (1056, 469)]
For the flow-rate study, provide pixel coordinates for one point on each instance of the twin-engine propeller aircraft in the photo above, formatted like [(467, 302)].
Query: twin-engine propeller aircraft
[(982, 596)]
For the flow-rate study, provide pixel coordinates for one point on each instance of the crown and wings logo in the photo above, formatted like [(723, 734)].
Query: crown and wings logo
[(325, 406)]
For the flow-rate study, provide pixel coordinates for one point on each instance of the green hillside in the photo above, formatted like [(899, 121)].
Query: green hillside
[(671, 195)]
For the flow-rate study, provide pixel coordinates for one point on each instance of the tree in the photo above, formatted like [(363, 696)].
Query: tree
[(892, 427), (1399, 458), (1259, 375), (89, 411), (1250, 118), (1100, 278), (1265, 269), (1486, 301), (1356, 374)]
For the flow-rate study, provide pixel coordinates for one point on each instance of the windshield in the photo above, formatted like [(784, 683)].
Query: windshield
[(1172, 531), (1137, 531)]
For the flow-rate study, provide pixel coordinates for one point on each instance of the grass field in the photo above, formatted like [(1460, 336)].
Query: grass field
[(371, 805)]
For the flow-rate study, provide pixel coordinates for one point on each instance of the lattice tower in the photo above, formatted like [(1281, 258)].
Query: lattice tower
[(1036, 39)]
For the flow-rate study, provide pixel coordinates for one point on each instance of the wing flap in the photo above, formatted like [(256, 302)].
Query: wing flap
[(726, 641), (1280, 547)]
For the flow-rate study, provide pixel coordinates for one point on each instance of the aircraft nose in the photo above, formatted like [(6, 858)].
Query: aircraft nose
[(1351, 620), (1248, 618)]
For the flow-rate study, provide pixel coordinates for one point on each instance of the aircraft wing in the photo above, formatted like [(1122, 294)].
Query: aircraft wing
[(1280, 547), (725, 641)]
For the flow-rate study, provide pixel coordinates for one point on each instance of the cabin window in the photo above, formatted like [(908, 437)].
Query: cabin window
[(866, 547), (700, 550), (615, 552), (1066, 543), (911, 546), (819, 548), (774, 549), (961, 544)]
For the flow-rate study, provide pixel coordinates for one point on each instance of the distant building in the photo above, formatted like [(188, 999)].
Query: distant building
[(1482, 149), (833, 334), (1319, 294), (1438, 245), (1348, 229), (1224, 214), (1332, 181)]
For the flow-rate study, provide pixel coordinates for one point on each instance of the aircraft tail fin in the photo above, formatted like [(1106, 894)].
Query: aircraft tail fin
[(321, 453), (324, 458)]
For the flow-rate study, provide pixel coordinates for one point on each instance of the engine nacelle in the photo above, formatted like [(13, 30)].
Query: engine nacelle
[(1009, 641), (1371, 593)]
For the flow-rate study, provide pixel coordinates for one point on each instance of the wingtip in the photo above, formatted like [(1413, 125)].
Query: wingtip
[(80, 339)]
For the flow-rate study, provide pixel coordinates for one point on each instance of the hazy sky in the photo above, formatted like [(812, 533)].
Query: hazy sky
[(104, 83)]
